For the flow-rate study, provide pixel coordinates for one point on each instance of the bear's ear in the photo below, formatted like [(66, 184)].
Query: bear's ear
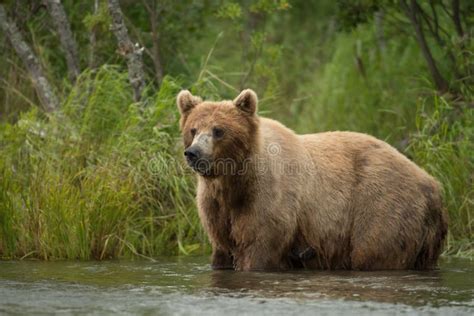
[(186, 101), (247, 101)]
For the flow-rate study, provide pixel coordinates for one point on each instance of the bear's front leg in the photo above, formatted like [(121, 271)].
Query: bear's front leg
[(221, 259)]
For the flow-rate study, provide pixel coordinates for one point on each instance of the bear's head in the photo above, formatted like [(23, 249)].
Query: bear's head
[(218, 136)]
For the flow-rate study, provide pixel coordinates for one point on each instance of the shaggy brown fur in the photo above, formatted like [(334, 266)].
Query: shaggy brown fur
[(335, 200)]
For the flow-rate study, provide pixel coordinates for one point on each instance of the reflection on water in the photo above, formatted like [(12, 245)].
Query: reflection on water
[(187, 285)]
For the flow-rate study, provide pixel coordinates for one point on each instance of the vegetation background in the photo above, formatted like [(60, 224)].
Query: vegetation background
[(90, 153)]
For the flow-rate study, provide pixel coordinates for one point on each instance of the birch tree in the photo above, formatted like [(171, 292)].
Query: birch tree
[(133, 53), (68, 44), (45, 93)]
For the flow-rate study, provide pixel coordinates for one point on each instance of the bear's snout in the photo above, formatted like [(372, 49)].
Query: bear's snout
[(192, 154), (198, 160)]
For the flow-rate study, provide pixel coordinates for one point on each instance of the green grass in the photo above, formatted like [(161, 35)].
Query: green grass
[(444, 145), (99, 179), (363, 88)]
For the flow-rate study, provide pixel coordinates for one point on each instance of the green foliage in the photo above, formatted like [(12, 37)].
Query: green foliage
[(444, 145), (99, 179), (269, 6), (98, 20), (352, 13), (374, 88), (230, 10)]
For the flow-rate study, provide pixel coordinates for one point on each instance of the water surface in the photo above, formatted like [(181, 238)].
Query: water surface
[(183, 286)]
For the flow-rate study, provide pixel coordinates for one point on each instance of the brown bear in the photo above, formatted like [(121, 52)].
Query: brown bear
[(270, 199)]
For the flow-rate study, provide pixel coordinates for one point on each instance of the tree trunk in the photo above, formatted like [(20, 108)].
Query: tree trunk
[(44, 90), (93, 40), (133, 53), (411, 11), (68, 44)]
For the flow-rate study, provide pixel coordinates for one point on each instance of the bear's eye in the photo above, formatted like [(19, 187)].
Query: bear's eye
[(193, 132), (217, 132)]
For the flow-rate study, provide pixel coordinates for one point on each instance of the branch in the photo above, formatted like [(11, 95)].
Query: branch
[(456, 18), (411, 11), (398, 25), (435, 18), (434, 30), (135, 33), (43, 89), (133, 53), (68, 44), (443, 6)]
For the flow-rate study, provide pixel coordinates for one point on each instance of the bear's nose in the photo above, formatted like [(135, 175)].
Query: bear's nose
[(192, 154)]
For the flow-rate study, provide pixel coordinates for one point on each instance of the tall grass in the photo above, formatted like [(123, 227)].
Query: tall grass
[(364, 87), (100, 179), (444, 145)]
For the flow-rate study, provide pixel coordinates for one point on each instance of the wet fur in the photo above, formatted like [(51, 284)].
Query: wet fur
[(359, 204)]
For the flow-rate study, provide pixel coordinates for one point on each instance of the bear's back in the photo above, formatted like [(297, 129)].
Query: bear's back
[(358, 152)]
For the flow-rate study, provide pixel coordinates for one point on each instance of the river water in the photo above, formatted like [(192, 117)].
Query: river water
[(184, 286)]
